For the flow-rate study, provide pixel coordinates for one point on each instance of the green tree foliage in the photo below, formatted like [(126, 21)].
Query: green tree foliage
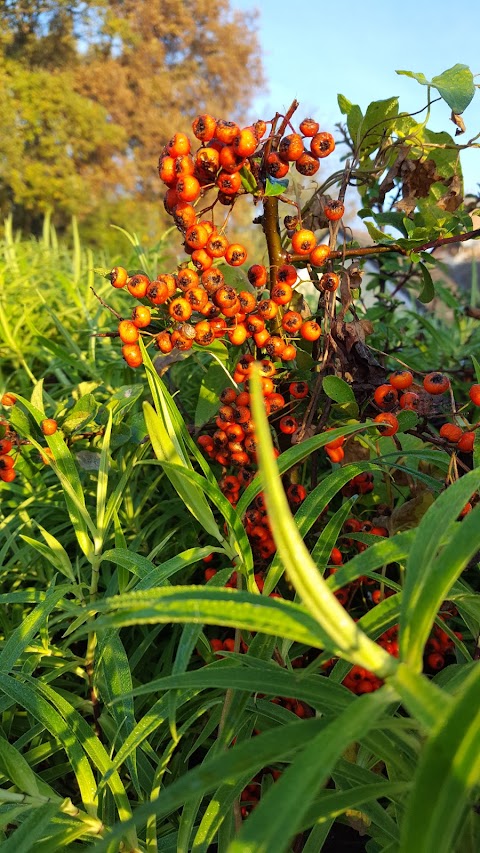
[(90, 91)]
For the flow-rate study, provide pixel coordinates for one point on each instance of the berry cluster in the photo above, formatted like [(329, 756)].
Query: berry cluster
[(195, 304)]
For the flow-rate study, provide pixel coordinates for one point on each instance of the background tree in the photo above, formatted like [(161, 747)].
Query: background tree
[(90, 90)]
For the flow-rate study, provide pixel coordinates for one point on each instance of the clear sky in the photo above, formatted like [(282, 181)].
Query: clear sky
[(313, 50)]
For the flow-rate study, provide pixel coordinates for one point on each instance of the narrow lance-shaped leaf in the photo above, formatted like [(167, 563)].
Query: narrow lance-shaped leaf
[(348, 640)]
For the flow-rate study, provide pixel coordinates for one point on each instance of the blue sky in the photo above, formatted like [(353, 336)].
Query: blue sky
[(320, 49)]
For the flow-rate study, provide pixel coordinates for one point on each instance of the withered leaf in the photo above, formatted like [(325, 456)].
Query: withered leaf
[(411, 512), (459, 122)]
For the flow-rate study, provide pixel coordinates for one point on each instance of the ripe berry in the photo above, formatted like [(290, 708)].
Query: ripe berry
[(329, 282), (163, 342), (226, 131), (292, 321), (48, 426), (132, 355), (288, 424), (141, 316), (436, 383), (409, 401), (179, 145), (334, 210), (401, 379), (8, 399), (291, 147), (245, 142), (310, 330), (319, 255), (387, 423), (8, 475), (204, 127), (257, 275), (309, 127), (217, 245), (303, 241), (474, 395), (118, 277), (385, 396), (307, 165), (276, 167), (466, 441), (451, 432), (298, 390), (322, 144), (235, 255), (137, 285), (229, 184), (287, 274), (128, 332)]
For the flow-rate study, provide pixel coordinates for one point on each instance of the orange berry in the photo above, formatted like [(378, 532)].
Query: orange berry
[(385, 396), (291, 147), (226, 131), (387, 423), (128, 332), (163, 342), (245, 142), (8, 399), (310, 330), (137, 285), (118, 277), (309, 127), (235, 255), (179, 145), (141, 316), (319, 255), (303, 241), (204, 127), (48, 426), (132, 355), (188, 188), (474, 394), (436, 383), (450, 432), (401, 379), (329, 282), (334, 210), (466, 441), (409, 401), (229, 184), (307, 164), (276, 167), (322, 144)]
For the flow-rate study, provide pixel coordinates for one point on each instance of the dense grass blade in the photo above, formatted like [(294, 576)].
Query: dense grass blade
[(431, 573), (347, 639), (448, 771), (204, 605), (280, 813)]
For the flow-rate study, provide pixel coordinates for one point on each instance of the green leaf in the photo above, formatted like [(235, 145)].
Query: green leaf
[(448, 771), (344, 104), (16, 769), (456, 87), (213, 383), (431, 569), (81, 414), (28, 628), (335, 622), (338, 390), (428, 290), (31, 829), (377, 124), (291, 796), (275, 186), (248, 181), (419, 77), (205, 605)]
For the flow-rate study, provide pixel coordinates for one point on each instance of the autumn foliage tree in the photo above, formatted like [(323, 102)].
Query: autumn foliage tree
[(89, 92)]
